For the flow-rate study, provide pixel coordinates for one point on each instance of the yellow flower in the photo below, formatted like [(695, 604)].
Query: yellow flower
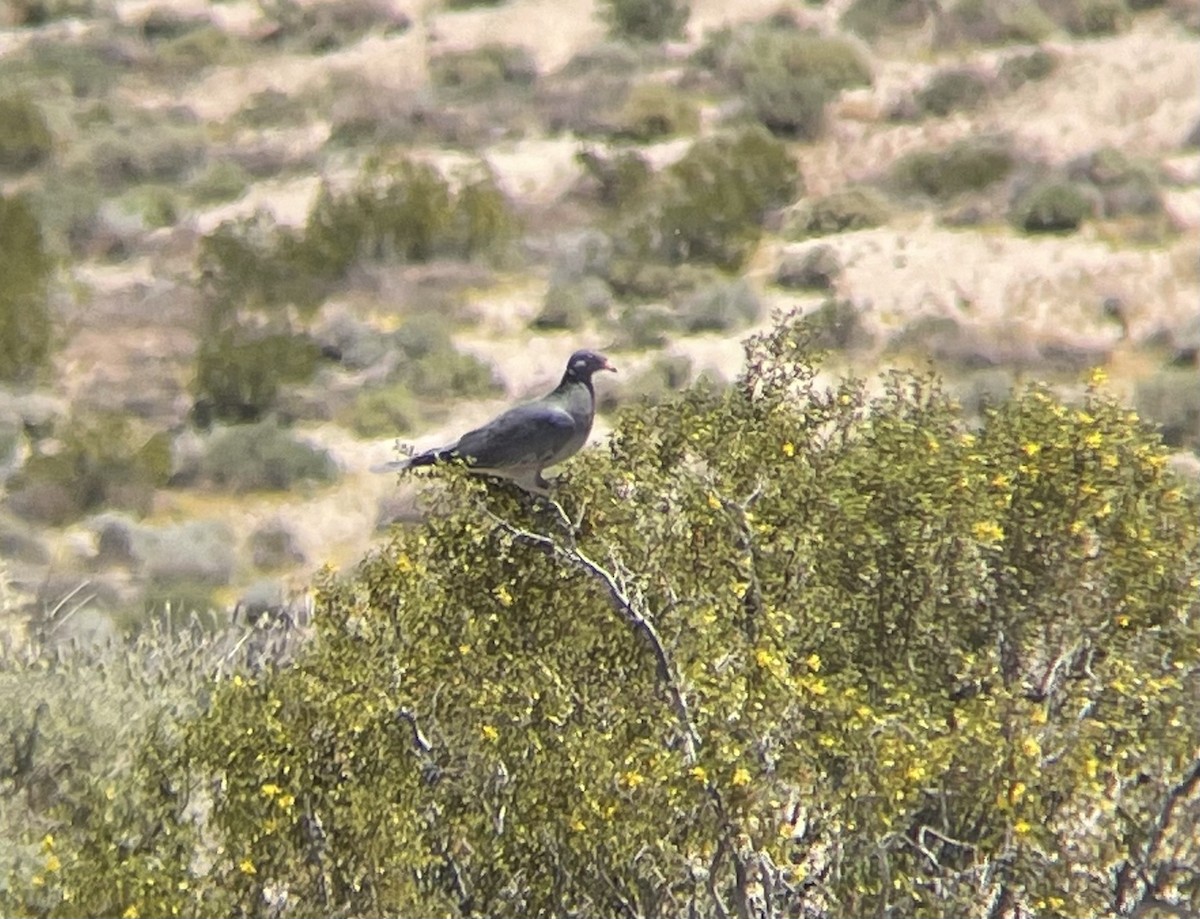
[(578, 825), (741, 776), (404, 563), (270, 790), (52, 863), (502, 594), (130, 913), (247, 867), (1022, 827), (816, 686), (1030, 747), (814, 662), (1000, 480), (632, 779), (988, 531), (1094, 440), (714, 502), (764, 658), (699, 773), (286, 801), (1098, 376), (789, 448), (1031, 449), (47, 843)]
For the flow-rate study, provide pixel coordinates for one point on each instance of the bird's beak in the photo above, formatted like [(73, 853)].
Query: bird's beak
[(608, 366)]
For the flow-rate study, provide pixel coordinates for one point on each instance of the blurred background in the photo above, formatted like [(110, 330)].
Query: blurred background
[(246, 245)]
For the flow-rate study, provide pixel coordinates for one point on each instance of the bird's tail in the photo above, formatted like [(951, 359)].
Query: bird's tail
[(428, 458)]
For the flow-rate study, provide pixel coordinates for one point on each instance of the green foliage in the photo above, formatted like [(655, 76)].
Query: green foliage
[(1020, 69), (957, 89), (874, 18), (1096, 17), (983, 22), (829, 649), (853, 208), (101, 460), (263, 457), (385, 412), (646, 20), (25, 266), (787, 76), (654, 111), (621, 178), (483, 69), (1171, 400), (709, 205), (25, 138), (1053, 206), (240, 369), (255, 271), (720, 305), (968, 165)]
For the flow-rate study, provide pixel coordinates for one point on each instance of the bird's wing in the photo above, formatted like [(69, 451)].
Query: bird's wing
[(529, 435)]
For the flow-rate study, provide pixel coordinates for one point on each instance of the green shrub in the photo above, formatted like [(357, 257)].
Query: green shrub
[(654, 111), (814, 268), (853, 208), (827, 652), (1095, 17), (787, 76), (571, 304), (968, 165), (1053, 206), (431, 366), (387, 411), (1020, 69), (1171, 401), (645, 20), (483, 69), (241, 368), (709, 205), (621, 178), (25, 138), (25, 326), (323, 27), (721, 305), (263, 457), (954, 90), (102, 460), (1124, 186), (220, 180), (874, 18), (983, 22)]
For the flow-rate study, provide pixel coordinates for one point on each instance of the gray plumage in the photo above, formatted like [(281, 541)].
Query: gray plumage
[(528, 438)]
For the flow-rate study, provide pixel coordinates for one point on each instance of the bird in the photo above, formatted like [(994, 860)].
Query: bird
[(519, 443)]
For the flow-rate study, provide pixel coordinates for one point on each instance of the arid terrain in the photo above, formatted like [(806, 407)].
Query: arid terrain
[(170, 118)]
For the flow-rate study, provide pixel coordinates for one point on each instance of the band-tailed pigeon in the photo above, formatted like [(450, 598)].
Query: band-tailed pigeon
[(524, 440)]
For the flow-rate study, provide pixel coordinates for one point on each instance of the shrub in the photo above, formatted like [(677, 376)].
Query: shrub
[(263, 457), (787, 76), (1094, 17), (968, 165), (25, 138), (816, 267), (645, 20), (1020, 69), (327, 26), (387, 411), (1124, 187), (273, 546), (780, 643), (196, 554), (873, 18), (954, 90), (621, 178), (719, 306), (240, 370), (654, 111), (982, 22), (1053, 206), (102, 460), (483, 69), (853, 208), (571, 304), (1171, 401), (709, 205), (25, 327)]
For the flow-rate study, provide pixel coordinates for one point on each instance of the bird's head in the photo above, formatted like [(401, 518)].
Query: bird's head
[(583, 364)]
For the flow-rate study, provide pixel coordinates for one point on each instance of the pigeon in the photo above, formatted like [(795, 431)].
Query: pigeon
[(519, 443)]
